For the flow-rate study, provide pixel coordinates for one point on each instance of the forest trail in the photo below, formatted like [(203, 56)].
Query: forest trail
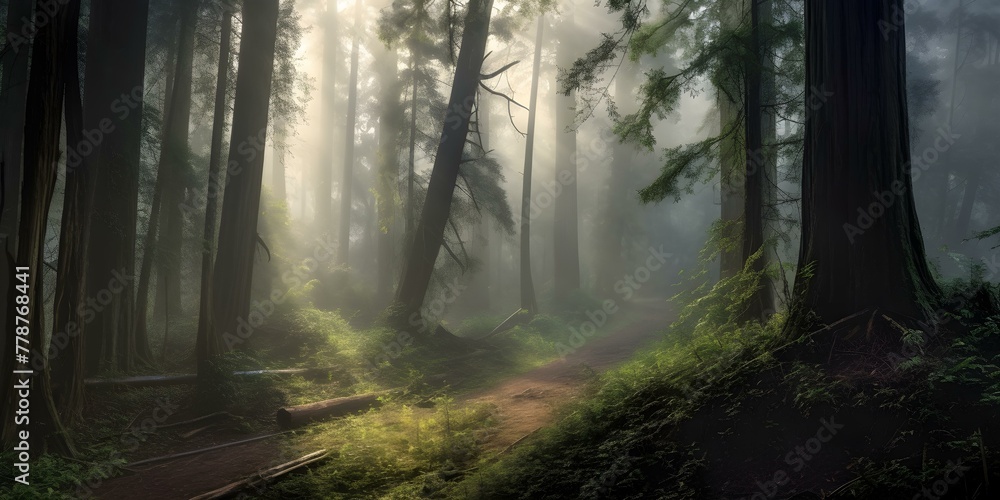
[(524, 404), (529, 402)]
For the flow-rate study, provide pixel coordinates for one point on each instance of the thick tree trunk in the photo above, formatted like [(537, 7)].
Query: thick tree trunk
[(760, 304), (328, 120), (566, 238), (207, 344), (115, 67), (611, 265), (528, 300), (429, 233), (13, 93), (861, 244), (174, 164), (347, 181), (42, 126), (232, 321), (66, 355)]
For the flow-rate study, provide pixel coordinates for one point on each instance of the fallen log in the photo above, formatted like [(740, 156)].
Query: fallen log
[(295, 416), (514, 319), (189, 378), (261, 479)]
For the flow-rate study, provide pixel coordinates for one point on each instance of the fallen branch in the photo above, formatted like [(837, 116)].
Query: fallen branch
[(295, 416), (262, 478), (188, 378), (507, 324), (202, 450)]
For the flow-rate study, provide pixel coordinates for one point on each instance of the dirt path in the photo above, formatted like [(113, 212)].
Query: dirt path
[(525, 403), (528, 402)]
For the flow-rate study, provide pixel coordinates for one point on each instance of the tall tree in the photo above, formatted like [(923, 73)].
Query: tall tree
[(528, 300), (876, 259), (391, 115), (429, 233), (13, 91), (729, 80), (278, 159), (42, 127), (175, 167), (328, 118), (347, 181), (207, 344), (115, 67), (756, 182), (566, 238), (241, 204)]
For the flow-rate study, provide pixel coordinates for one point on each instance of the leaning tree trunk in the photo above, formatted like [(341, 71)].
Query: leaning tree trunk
[(174, 165), (115, 67), (347, 182), (232, 322), (429, 233), (566, 238), (760, 304), (207, 344), (42, 125), (861, 245), (528, 300)]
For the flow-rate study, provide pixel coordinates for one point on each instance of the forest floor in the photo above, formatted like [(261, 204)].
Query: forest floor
[(523, 404)]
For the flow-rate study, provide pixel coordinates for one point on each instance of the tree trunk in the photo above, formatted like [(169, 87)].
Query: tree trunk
[(70, 293), (566, 238), (610, 266), (278, 160), (42, 126), (961, 230), (328, 119), (429, 233), (207, 344), (944, 184), (115, 67), (411, 210), (347, 182), (732, 156), (174, 164), (760, 304), (390, 116), (149, 239), (13, 93), (875, 260), (232, 321), (528, 300)]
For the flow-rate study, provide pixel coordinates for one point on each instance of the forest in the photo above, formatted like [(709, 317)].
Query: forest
[(500, 249)]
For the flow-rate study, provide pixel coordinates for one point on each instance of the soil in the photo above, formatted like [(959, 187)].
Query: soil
[(524, 404)]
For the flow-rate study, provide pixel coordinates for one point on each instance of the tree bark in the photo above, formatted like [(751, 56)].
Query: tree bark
[(207, 344), (861, 245), (328, 118), (233, 276), (732, 154), (760, 304), (429, 233), (115, 67), (528, 300), (347, 182), (42, 126), (390, 116), (174, 163), (566, 238)]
